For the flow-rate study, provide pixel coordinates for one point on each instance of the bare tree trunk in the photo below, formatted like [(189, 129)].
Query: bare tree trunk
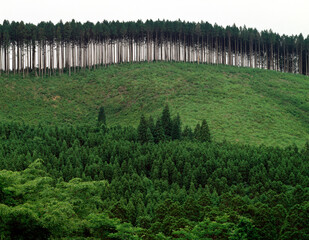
[(5, 58), (287, 60), (69, 58), (241, 54), (230, 52), (222, 50), (307, 63), (62, 58), (18, 57), (251, 54), (45, 57), (22, 60), (51, 51), (284, 60), (278, 60), (8, 60), (39, 58), (13, 58), (300, 67), (27, 57), (235, 54), (58, 60), (0, 60), (208, 47), (217, 45)]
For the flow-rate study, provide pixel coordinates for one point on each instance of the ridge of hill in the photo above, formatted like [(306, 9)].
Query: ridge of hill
[(250, 106)]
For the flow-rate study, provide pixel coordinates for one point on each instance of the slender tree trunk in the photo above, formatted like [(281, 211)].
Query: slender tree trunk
[(278, 59), (8, 60), (234, 54), (307, 63), (300, 67), (69, 58), (251, 54), (58, 59), (18, 57), (5, 59), (13, 58), (22, 60), (28, 60), (230, 52), (0, 60), (39, 58)]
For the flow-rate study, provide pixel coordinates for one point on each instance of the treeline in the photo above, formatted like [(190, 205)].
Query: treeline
[(48, 48), (106, 183)]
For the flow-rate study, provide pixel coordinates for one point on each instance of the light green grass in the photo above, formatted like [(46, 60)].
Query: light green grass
[(250, 106)]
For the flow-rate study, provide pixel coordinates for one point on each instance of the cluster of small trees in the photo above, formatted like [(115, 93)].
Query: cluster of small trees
[(167, 128), (49, 48)]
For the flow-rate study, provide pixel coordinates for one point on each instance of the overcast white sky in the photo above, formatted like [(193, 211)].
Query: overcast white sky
[(282, 16)]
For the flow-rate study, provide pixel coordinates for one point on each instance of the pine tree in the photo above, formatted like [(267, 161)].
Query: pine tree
[(142, 130), (197, 131), (159, 132), (176, 128), (187, 132), (149, 136), (204, 135), (102, 117), (166, 121), (151, 125)]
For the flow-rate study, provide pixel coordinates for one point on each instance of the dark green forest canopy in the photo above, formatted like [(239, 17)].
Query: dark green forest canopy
[(102, 183)]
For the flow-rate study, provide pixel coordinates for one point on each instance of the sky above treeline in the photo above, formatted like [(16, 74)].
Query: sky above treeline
[(282, 16)]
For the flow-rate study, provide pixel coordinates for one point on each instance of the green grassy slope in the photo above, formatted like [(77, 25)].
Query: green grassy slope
[(240, 104)]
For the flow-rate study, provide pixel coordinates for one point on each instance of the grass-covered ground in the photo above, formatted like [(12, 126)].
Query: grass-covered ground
[(249, 106)]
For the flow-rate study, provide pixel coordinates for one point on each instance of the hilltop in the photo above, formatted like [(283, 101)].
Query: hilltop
[(250, 106)]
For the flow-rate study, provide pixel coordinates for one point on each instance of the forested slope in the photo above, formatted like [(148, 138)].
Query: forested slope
[(100, 183), (240, 104)]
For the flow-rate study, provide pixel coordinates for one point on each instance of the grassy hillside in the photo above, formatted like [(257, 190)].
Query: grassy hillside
[(240, 104)]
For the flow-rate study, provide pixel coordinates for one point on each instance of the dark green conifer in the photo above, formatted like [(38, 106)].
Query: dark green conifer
[(151, 124), (142, 130), (102, 117), (176, 128), (149, 136), (204, 132), (166, 121), (197, 131), (159, 132), (187, 132)]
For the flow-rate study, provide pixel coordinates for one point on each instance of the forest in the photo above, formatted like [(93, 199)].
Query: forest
[(47, 48), (160, 180)]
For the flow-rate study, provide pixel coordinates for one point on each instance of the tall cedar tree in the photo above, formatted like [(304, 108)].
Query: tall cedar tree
[(166, 121), (143, 132), (176, 128), (204, 135), (151, 125), (159, 132), (102, 117), (197, 131), (187, 133)]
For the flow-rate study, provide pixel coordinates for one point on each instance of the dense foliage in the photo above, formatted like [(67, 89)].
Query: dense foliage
[(49, 48), (107, 183)]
